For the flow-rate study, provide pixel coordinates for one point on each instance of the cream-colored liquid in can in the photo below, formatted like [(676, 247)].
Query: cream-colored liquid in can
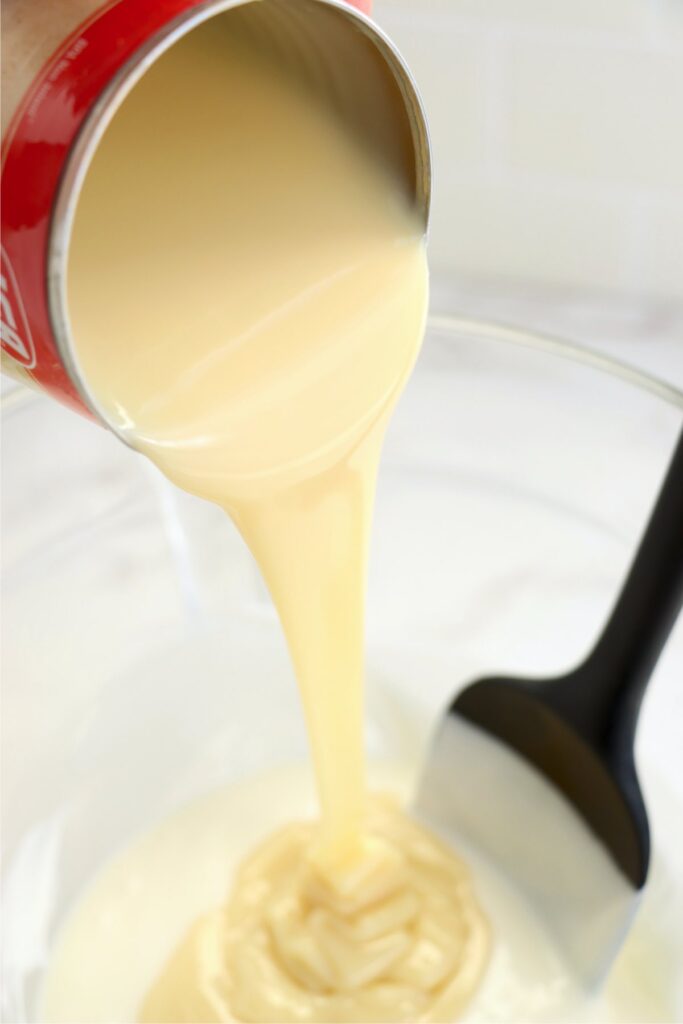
[(270, 287)]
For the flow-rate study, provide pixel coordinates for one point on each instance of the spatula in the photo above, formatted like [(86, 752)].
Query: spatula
[(539, 774)]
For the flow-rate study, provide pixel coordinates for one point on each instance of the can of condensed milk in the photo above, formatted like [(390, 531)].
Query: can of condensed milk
[(69, 65)]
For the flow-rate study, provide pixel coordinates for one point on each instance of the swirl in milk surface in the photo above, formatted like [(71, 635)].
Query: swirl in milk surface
[(393, 935), (271, 289)]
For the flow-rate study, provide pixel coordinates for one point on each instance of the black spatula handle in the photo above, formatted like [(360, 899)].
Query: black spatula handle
[(578, 729), (602, 697)]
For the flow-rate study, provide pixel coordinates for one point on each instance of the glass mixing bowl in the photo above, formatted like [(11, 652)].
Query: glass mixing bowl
[(143, 663)]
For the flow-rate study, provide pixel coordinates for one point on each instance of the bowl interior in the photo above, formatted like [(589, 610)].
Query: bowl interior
[(142, 660)]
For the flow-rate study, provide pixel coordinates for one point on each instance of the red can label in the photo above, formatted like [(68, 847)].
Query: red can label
[(14, 329), (34, 153)]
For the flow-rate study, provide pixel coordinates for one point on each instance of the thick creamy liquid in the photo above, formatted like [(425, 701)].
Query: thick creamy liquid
[(270, 289), (394, 936), (125, 927)]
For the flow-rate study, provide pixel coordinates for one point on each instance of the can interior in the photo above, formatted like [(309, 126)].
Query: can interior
[(324, 47)]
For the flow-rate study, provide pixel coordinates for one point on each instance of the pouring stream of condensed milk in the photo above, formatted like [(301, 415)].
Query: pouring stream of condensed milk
[(270, 287)]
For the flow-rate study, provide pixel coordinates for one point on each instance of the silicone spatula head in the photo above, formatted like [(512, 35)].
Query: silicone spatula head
[(482, 792), (540, 774)]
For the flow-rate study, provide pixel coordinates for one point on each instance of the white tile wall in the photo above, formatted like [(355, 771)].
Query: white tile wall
[(594, 114), (498, 230), (624, 16), (661, 263), (558, 139), (669, 20)]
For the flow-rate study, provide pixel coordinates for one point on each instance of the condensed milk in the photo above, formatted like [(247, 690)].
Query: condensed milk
[(246, 313)]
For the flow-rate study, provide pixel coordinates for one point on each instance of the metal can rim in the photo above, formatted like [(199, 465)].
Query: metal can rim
[(99, 117)]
